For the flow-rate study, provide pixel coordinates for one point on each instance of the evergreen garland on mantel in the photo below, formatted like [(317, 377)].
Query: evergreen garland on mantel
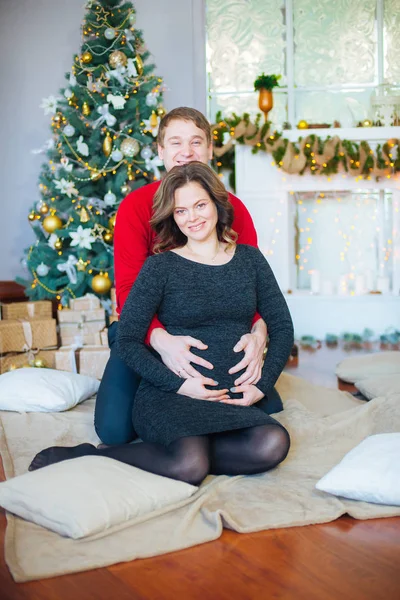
[(310, 154)]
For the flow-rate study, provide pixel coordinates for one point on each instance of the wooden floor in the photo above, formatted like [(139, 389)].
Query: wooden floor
[(345, 559)]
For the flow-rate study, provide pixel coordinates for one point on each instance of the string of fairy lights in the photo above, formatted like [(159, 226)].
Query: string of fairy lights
[(352, 233)]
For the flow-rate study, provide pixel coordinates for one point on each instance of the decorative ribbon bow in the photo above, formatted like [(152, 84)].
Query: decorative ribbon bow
[(105, 116), (68, 267)]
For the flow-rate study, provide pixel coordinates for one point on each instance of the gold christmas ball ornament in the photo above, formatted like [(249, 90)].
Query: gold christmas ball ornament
[(117, 59), (95, 176), (86, 57), (44, 208), (130, 147), (58, 244), (57, 118), (51, 223), (111, 221), (39, 363), (107, 145), (161, 111), (367, 123), (85, 109), (302, 124), (101, 283), (31, 216), (108, 237), (125, 189)]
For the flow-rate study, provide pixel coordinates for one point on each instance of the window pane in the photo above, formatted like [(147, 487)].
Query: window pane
[(392, 41), (346, 106), (346, 238), (335, 41), (245, 37)]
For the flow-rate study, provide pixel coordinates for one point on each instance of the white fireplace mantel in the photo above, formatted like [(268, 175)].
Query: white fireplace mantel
[(268, 193)]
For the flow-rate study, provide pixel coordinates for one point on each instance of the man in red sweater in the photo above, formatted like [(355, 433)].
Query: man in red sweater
[(184, 136)]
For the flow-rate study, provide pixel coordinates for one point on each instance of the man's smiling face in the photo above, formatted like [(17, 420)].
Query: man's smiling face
[(184, 142)]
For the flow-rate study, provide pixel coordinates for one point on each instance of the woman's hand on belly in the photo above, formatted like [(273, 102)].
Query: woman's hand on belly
[(194, 387), (251, 395)]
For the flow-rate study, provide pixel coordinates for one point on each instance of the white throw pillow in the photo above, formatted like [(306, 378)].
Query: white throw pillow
[(44, 390), (381, 385), (88, 495), (355, 368), (369, 472)]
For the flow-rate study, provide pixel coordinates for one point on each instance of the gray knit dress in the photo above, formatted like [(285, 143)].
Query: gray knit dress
[(215, 304)]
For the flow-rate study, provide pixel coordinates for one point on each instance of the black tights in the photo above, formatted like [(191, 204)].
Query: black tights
[(190, 459)]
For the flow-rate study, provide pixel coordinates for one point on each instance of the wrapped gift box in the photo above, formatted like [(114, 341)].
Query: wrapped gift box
[(19, 336), (87, 302), (67, 359), (27, 310), (81, 327), (93, 360), (113, 302), (81, 334), (104, 337), (66, 315), (89, 360), (16, 360)]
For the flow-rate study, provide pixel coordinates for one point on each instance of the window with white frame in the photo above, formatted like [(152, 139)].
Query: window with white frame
[(332, 56)]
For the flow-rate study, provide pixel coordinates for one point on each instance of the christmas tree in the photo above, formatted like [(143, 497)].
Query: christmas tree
[(104, 126)]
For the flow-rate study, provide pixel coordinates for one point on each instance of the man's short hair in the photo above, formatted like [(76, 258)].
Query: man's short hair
[(184, 113)]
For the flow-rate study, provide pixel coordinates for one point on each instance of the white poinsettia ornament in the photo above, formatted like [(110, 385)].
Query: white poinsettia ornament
[(66, 187), (83, 237), (49, 105), (64, 161), (52, 240)]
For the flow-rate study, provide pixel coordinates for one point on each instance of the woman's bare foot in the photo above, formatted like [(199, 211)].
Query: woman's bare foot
[(56, 454)]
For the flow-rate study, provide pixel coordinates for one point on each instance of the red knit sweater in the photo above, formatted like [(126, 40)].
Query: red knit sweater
[(134, 238)]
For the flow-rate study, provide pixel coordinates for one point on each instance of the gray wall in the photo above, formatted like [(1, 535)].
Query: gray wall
[(37, 41)]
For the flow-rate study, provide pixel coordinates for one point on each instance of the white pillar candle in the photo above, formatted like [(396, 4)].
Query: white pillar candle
[(369, 280), (359, 285), (383, 285), (315, 279), (327, 287)]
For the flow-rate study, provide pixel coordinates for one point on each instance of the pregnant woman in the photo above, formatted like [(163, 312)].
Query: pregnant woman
[(199, 283)]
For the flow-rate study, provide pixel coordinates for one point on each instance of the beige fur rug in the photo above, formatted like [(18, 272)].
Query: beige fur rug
[(324, 425)]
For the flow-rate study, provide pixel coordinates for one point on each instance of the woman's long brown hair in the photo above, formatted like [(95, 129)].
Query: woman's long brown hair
[(168, 233)]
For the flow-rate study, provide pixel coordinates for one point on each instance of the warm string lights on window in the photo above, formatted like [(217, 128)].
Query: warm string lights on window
[(359, 277)]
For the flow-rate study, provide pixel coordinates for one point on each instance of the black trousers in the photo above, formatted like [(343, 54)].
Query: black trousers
[(118, 387)]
